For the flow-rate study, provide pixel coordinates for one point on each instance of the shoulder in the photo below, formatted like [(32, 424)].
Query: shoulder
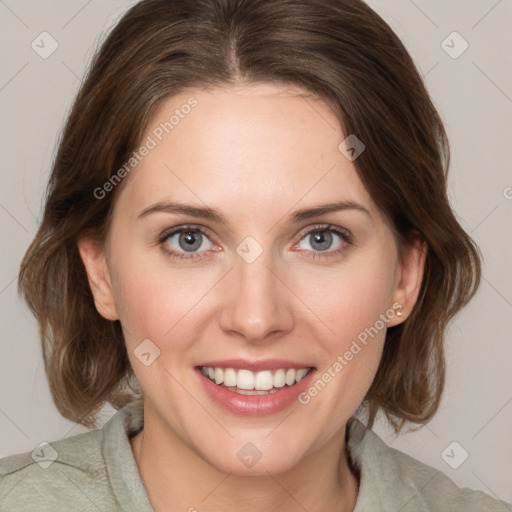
[(56, 476), (86, 472), (393, 480)]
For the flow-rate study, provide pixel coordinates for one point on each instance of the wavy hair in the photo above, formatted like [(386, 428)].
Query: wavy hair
[(340, 51)]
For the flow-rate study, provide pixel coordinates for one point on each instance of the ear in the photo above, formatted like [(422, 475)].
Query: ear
[(409, 278), (93, 256)]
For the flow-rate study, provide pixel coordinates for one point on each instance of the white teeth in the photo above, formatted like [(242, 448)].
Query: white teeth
[(279, 379), (264, 381), (290, 377), (245, 380), (248, 382), (219, 376), (230, 377), (301, 374)]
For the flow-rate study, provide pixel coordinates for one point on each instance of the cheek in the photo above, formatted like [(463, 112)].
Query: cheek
[(157, 303), (353, 298), (355, 304)]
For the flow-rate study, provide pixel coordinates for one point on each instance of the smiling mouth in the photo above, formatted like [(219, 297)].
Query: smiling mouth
[(247, 382)]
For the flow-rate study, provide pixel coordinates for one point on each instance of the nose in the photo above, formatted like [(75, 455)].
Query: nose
[(257, 304)]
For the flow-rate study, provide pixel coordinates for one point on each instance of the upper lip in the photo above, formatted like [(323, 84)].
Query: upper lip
[(253, 365)]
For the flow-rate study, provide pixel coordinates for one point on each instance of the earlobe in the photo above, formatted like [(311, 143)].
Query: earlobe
[(93, 257), (409, 279)]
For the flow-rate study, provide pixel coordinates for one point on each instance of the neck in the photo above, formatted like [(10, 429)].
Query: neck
[(177, 479)]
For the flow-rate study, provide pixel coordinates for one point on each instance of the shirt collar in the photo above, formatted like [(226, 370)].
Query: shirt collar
[(382, 479)]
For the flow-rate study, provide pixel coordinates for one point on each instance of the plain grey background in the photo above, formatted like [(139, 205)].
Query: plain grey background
[(469, 76)]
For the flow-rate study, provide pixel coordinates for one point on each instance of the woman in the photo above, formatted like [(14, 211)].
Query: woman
[(246, 246)]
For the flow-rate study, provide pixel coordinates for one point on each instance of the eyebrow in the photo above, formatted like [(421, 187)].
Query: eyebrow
[(215, 216)]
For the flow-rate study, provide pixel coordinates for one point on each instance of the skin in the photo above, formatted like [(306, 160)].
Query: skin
[(256, 153)]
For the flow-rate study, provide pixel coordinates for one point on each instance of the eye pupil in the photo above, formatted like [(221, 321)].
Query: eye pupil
[(188, 238), (324, 238)]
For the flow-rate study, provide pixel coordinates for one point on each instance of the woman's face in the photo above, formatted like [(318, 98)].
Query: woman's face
[(261, 284)]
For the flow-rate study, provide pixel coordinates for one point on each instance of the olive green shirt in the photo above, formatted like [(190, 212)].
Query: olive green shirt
[(96, 471)]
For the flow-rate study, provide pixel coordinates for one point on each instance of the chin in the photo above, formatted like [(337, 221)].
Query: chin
[(243, 457)]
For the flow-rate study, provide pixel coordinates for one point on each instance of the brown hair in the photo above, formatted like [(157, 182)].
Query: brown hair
[(338, 50)]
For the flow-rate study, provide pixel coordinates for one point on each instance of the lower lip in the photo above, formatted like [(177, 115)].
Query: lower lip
[(254, 405)]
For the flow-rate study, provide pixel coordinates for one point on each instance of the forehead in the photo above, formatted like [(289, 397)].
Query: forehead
[(248, 149)]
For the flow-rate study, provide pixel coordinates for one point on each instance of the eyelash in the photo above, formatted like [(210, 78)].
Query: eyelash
[(345, 236)]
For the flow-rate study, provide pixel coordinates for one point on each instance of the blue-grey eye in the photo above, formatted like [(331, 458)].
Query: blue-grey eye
[(321, 240), (189, 240)]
